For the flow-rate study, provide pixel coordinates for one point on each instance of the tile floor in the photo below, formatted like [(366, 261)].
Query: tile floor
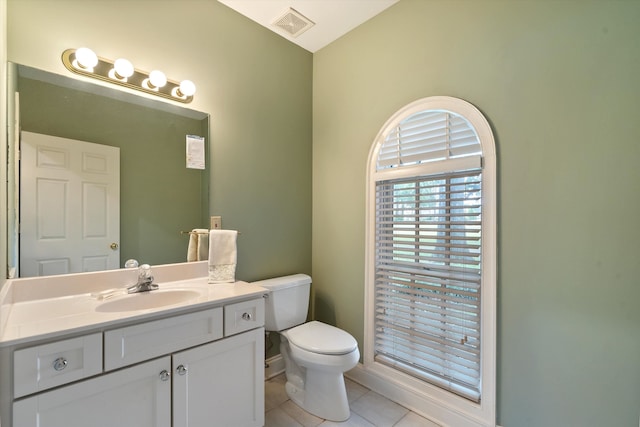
[(368, 409)]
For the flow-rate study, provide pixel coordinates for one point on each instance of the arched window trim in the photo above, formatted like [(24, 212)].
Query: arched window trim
[(453, 410)]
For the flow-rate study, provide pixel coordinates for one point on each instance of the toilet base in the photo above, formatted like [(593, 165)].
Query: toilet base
[(316, 387), (316, 399)]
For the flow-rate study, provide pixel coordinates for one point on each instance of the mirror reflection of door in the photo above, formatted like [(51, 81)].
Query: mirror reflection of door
[(69, 206)]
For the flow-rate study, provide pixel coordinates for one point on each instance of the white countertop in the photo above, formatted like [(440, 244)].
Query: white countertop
[(31, 318)]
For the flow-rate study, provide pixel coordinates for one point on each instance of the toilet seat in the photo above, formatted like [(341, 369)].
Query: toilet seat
[(320, 338)]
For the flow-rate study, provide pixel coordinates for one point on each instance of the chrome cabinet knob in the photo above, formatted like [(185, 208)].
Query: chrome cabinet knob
[(165, 375), (181, 370), (60, 363), (246, 316)]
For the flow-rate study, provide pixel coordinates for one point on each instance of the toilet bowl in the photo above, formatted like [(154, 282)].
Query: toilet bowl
[(315, 354), (315, 379)]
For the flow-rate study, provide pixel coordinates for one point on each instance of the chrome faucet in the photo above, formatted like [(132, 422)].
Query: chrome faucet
[(145, 281)]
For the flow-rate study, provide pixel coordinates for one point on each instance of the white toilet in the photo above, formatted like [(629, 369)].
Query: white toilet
[(315, 354)]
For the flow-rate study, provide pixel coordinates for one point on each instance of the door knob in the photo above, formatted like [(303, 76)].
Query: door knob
[(114, 246)]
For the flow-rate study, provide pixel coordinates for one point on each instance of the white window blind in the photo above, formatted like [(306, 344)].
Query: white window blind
[(428, 278), (428, 136)]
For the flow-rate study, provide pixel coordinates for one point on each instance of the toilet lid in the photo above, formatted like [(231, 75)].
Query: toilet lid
[(318, 337)]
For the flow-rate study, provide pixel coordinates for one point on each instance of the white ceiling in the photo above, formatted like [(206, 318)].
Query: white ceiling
[(332, 18)]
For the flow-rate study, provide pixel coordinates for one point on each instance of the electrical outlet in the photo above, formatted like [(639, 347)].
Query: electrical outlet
[(216, 223)]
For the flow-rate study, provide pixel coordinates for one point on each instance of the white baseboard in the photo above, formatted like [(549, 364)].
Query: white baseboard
[(274, 366)]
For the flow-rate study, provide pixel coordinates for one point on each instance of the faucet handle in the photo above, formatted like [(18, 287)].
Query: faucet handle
[(145, 281), (144, 272)]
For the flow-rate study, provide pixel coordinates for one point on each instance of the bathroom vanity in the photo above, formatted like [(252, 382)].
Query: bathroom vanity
[(193, 355)]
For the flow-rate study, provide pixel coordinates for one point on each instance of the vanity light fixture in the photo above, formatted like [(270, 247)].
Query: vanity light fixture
[(122, 72)]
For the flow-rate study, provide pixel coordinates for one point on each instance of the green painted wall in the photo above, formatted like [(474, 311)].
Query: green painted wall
[(559, 83), (256, 86)]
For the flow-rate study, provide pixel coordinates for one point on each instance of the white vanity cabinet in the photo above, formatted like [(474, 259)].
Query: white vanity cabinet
[(200, 369)]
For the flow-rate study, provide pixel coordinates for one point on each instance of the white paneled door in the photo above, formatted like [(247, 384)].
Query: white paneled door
[(69, 206)]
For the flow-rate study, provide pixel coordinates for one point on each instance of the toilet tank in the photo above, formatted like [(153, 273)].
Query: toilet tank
[(287, 303)]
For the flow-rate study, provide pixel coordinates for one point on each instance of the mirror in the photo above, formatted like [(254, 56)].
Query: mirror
[(159, 196)]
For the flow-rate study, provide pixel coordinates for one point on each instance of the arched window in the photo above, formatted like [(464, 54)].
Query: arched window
[(431, 256)]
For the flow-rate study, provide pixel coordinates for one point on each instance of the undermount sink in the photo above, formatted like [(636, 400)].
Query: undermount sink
[(148, 300)]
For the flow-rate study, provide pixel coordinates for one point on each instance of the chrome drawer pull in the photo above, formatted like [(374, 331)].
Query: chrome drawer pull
[(246, 316), (60, 363), (165, 375), (181, 370)]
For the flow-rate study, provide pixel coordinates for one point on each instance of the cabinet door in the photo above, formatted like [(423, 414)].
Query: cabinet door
[(220, 384), (133, 397)]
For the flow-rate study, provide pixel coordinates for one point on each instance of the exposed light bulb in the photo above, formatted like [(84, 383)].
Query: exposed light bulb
[(187, 88), (123, 68), (157, 79), (86, 58)]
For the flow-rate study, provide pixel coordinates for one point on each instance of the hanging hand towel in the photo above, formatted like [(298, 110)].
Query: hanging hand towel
[(198, 249), (192, 249), (203, 243), (222, 256)]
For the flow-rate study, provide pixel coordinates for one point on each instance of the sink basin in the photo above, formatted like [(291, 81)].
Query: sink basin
[(148, 300)]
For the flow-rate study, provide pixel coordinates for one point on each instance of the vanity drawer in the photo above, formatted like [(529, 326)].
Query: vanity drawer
[(243, 316), (136, 343), (50, 365)]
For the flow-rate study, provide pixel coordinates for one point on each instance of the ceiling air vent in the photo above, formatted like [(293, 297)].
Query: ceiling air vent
[(293, 22)]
